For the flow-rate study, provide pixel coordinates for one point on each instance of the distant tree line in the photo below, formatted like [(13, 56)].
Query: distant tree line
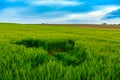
[(106, 24)]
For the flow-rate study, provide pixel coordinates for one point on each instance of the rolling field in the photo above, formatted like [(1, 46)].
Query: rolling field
[(59, 52)]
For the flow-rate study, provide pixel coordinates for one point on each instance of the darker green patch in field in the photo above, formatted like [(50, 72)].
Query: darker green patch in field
[(63, 51), (70, 58), (50, 46), (39, 59)]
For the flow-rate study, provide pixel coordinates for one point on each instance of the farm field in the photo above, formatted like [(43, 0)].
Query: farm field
[(59, 52)]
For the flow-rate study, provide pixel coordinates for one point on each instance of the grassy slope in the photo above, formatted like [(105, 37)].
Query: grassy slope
[(103, 53)]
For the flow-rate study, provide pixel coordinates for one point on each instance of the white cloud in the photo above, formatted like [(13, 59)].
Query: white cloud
[(13, 15), (94, 16), (55, 2), (111, 21)]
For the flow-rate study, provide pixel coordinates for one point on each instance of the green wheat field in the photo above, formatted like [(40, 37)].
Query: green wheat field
[(46, 52)]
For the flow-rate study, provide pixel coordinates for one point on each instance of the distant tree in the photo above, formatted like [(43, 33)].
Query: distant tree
[(43, 23), (118, 24), (104, 23)]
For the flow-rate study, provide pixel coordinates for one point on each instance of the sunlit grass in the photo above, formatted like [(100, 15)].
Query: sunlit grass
[(96, 50)]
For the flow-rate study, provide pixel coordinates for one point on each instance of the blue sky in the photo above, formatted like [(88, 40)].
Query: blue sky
[(60, 11)]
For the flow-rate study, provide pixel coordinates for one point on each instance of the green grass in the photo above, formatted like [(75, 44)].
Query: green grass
[(95, 54)]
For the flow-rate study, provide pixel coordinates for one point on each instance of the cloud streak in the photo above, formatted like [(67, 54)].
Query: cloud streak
[(55, 2)]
